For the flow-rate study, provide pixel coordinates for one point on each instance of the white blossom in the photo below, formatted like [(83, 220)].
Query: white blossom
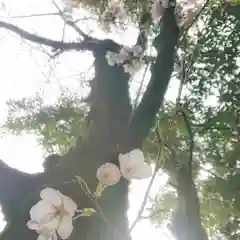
[(132, 165), (44, 232), (131, 58), (52, 214), (134, 66), (108, 174)]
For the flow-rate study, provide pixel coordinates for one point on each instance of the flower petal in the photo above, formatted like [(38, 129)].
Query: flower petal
[(50, 221), (123, 158), (51, 235), (54, 236), (137, 155), (143, 171), (65, 227), (132, 158), (51, 195), (46, 231), (40, 209), (33, 225), (69, 205)]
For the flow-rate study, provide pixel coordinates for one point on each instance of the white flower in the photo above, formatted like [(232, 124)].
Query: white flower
[(108, 174), (44, 232), (132, 165), (52, 214), (134, 66)]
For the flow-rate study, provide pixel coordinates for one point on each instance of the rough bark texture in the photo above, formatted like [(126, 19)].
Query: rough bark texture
[(113, 132)]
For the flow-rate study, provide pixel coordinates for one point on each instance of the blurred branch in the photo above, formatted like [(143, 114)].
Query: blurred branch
[(142, 37), (191, 137), (90, 44), (140, 87)]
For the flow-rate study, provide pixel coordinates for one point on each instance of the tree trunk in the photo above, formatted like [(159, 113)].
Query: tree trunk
[(186, 223)]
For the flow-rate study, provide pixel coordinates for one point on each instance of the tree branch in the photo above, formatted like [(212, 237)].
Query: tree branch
[(142, 37), (72, 24), (165, 44), (31, 15), (84, 45)]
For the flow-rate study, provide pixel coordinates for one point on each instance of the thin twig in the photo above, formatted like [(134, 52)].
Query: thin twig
[(212, 173), (140, 87), (71, 23), (93, 199), (30, 16), (139, 215), (158, 163), (196, 18)]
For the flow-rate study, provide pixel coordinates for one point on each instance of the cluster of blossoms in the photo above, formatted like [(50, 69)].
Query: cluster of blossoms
[(130, 58), (132, 166), (186, 10), (53, 215)]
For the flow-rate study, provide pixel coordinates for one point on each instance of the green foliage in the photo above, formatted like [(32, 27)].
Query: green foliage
[(211, 103), (57, 126)]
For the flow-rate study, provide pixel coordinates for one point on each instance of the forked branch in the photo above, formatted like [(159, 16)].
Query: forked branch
[(66, 46)]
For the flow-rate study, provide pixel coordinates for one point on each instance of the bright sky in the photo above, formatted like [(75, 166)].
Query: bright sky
[(24, 70)]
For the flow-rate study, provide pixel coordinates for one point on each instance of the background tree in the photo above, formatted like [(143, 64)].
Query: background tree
[(192, 135)]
